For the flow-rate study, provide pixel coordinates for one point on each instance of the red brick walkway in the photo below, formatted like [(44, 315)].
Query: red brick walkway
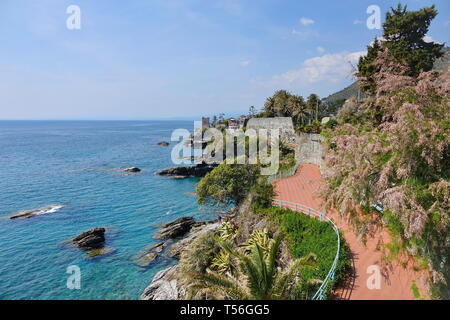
[(396, 280)]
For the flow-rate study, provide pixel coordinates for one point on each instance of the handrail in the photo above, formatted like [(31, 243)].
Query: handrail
[(283, 174), (321, 292)]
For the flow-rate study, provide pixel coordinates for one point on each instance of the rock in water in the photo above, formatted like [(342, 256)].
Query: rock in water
[(199, 170), (197, 230), (91, 239), (148, 255), (163, 143), (175, 229), (132, 169), (41, 211)]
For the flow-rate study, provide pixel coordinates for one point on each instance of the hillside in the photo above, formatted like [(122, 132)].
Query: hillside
[(352, 90)]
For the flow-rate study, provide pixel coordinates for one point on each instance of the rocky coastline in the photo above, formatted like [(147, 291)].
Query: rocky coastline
[(199, 170), (165, 285)]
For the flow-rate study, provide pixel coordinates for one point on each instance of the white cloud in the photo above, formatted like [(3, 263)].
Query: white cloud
[(320, 50), (329, 68), (429, 39), (306, 21), (357, 21), (447, 23), (245, 63)]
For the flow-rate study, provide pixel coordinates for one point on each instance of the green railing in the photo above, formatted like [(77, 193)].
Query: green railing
[(321, 293)]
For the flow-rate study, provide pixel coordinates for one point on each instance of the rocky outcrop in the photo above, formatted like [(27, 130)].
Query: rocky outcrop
[(132, 169), (164, 286), (37, 212), (146, 257), (91, 239), (198, 230), (176, 229), (200, 170), (163, 143)]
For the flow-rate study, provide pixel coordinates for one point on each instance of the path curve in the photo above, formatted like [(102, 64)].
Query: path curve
[(396, 281)]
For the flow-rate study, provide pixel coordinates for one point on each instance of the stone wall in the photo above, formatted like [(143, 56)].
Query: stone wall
[(310, 149)]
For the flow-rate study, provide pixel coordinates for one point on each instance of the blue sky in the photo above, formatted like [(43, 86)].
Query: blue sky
[(144, 59)]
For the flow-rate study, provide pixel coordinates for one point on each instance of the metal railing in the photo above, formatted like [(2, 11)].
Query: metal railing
[(322, 291), (283, 174)]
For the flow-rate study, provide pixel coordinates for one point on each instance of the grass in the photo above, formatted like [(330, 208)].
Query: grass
[(415, 290), (308, 235)]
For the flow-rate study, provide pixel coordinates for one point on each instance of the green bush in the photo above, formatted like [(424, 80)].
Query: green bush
[(307, 235), (199, 254), (263, 195)]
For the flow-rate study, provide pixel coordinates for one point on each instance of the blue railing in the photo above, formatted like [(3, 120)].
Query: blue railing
[(328, 281)]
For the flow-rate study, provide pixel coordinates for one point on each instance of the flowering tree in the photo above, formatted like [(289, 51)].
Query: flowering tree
[(393, 150)]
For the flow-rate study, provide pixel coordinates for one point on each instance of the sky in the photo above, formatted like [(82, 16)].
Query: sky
[(158, 59)]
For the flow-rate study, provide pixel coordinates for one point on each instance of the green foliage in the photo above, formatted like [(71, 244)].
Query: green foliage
[(308, 235), (227, 184), (222, 263), (315, 127), (286, 104), (403, 33), (415, 290), (227, 231), (200, 254), (259, 238), (263, 195), (331, 124), (259, 277)]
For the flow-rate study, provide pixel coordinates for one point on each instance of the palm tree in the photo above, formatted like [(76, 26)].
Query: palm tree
[(299, 109), (269, 107), (259, 277)]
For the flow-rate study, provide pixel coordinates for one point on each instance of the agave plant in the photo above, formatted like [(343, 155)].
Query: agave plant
[(222, 263), (227, 231), (260, 238), (258, 279)]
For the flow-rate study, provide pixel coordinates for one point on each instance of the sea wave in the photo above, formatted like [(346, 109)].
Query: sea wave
[(37, 212)]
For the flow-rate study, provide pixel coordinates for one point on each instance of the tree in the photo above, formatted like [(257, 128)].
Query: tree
[(259, 277), (313, 104), (214, 120), (299, 110), (252, 111), (403, 35), (227, 184), (392, 150)]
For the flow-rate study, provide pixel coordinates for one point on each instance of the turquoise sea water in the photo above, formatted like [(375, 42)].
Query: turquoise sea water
[(73, 163)]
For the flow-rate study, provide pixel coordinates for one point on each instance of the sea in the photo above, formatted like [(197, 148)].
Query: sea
[(71, 172)]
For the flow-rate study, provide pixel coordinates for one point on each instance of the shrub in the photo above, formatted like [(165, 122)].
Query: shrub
[(308, 235), (263, 195), (200, 254)]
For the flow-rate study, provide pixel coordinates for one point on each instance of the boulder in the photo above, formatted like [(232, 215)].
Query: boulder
[(101, 252), (149, 254), (200, 170), (132, 169), (197, 230), (164, 286), (91, 239), (163, 143), (176, 229)]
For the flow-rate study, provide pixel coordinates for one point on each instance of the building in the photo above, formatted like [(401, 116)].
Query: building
[(205, 123), (233, 123)]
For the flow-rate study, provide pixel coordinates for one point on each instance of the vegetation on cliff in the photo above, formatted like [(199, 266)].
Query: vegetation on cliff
[(392, 150)]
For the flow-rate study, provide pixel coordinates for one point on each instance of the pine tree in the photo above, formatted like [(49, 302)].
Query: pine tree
[(403, 35)]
